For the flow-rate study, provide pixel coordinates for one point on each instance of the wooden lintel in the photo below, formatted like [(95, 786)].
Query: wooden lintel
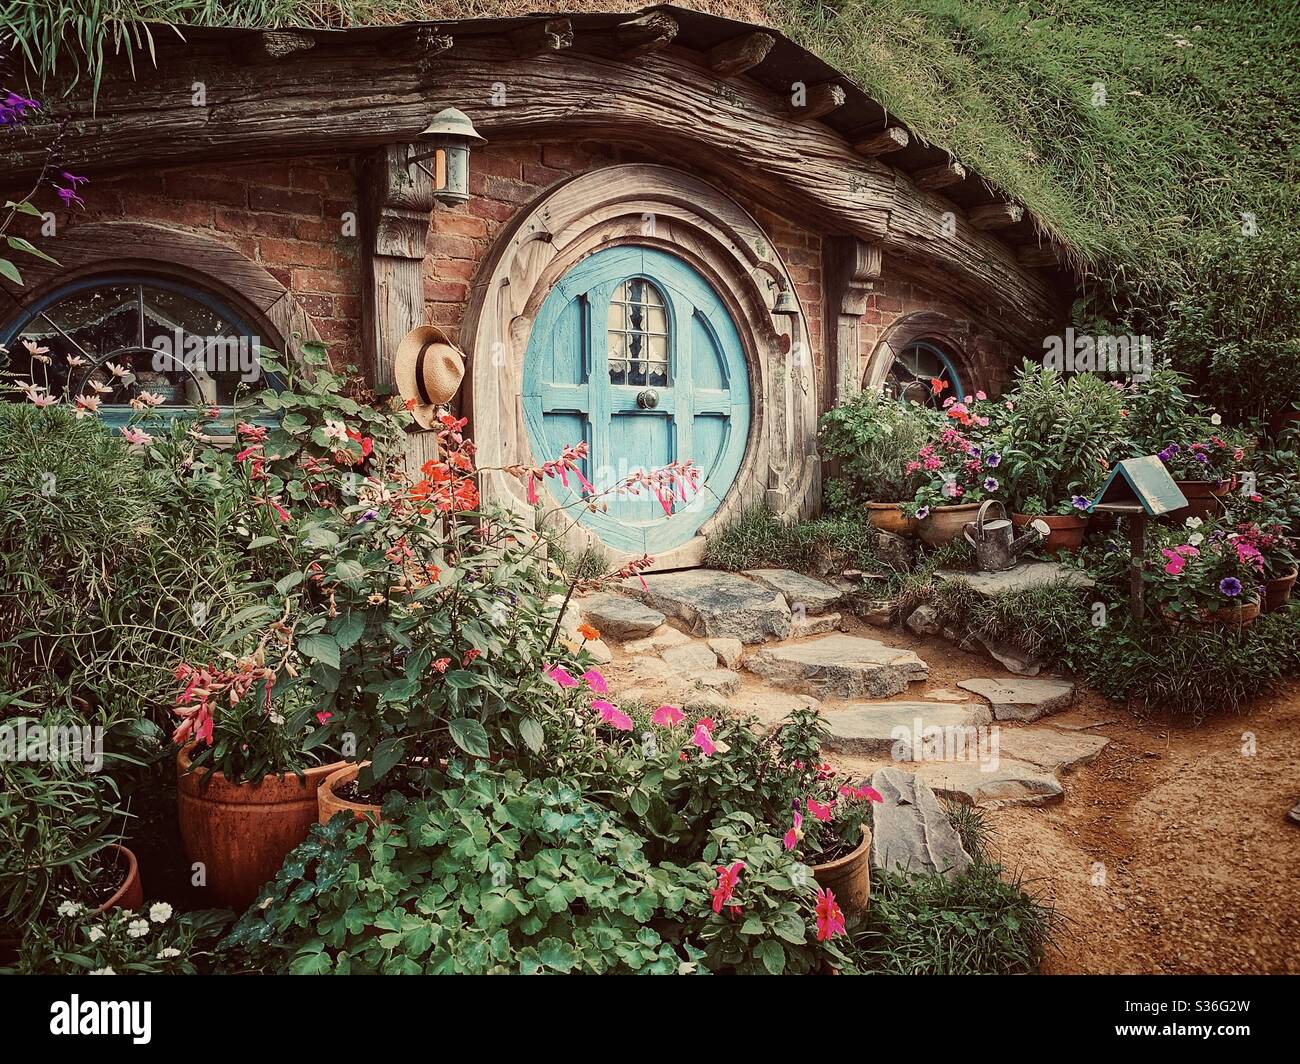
[(1037, 257), (882, 143), (268, 46), (995, 215), (813, 101), (943, 176), (649, 33), (734, 57), (542, 37)]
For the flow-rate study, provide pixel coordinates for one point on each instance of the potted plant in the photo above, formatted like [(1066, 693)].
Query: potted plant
[(874, 440), (1202, 573), (1055, 438), (1202, 469), (1267, 511), (961, 475)]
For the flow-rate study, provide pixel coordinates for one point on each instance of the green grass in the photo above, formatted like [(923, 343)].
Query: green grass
[(758, 539)]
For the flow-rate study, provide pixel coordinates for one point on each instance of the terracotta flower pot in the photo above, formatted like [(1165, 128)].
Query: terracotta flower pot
[(1202, 498), (1237, 615), (329, 803), (943, 524), (888, 517), (849, 878), (130, 895), (1277, 592), (242, 832), (1067, 531)]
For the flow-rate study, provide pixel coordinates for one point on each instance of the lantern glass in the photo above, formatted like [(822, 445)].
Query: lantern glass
[(451, 174)]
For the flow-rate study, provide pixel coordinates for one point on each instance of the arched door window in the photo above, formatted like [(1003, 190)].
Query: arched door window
[(915, 371), (129, 343)]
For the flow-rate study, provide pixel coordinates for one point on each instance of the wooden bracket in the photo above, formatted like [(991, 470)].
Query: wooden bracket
[(732, 58), (851, 267), (268, 46), (819, 100), (892, 139), (943, 176), (995, 215), (542, 38), (396, 202), (649, 33)]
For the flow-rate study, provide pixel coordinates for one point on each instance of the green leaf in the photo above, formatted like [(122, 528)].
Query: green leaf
[(470, 736), (287, 583), (348, 628), (386, 755), (9, 271), (557, 955), (772, 954), (531, 733), (320, 648), (19, 244), (262, 541), (23, 207), (461, 679)]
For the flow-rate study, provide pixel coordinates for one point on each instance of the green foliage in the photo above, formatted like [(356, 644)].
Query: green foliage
[(759, 539), (873, 439), (973, 924), (1048, 622)]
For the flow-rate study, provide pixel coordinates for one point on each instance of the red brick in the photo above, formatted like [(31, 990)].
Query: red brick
[(334, 329), (232, 221), (440, 291), (296, 252), (140, 208), (503, 188), (458, 223), (183, 184), (276, 174), (445, 245), (347, 307), (289, 201), (497, 163), (542, 176), (306, 279), (445, 314), (463, 269), (491, 209), (317, 306), (324, 230), (338, 181), (889, 303)]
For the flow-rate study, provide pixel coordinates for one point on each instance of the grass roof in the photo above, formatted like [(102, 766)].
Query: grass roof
[(1134, 129)]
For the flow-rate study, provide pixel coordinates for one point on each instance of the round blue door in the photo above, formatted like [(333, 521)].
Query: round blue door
[(634, 353)]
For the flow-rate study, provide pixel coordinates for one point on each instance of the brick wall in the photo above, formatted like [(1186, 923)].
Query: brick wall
[(285, 216)]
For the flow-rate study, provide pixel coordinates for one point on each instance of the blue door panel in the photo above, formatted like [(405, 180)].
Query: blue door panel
[(622, 323)]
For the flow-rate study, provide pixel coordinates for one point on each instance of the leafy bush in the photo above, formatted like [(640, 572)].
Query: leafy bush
[(1045, 622), (973, 924), (873, 439)]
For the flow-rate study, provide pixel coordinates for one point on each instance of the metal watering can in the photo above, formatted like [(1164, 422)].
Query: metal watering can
[(995, 542)]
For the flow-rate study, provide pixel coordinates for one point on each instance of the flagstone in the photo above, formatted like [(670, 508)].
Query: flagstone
[(843, 666)]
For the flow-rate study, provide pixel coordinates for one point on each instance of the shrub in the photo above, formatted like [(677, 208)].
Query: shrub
[(973, 924), (1048, 622), (874, 439)]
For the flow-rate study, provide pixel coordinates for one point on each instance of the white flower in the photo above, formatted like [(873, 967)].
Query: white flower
[(1193, 522), (276, 718), (160, 912), (1196, 539), (69, 908), (137, 928), (168, 953), (95, 934), (104, 971), (1216, 419), (336, 430)]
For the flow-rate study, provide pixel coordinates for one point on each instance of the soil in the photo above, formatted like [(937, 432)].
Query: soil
[(1172, 852)]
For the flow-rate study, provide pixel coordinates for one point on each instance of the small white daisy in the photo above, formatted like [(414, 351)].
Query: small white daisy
[(169, 952), (69, 908), (137, 928), (160, 912), (95, 934), (107, 970)]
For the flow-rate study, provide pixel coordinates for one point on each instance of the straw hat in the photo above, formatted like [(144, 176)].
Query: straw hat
[(429, 369)]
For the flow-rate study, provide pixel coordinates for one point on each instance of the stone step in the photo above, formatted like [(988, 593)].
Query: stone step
[(842, 666), (1049, 749), (910, 830), (899, 729), (1010, 783), (1021, 699), (714, 603), (799, 590), (619, 616)]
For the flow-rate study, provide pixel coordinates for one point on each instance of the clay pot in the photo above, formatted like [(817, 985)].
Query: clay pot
[(1237, 615), (849, 878), (328, 803), (888, 517), (130, 895), (1202, 498), (1067, 531), (1277, 592), (243, 832), (943, 524)]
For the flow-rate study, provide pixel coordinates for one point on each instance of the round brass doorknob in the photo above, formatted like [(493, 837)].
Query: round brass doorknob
[(648, 399)]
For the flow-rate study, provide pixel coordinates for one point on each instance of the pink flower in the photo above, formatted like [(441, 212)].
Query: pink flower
[(792, 836), (703, 740), (612, 715), (324, 716), (980, 396), (830, 919), (821, 812), (561, 676), (668, 716), (596, 681), (860, 793), (1176, 562), (727, 880)]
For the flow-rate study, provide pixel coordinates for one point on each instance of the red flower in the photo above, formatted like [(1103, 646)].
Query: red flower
[(937, 386), (470, 655), (727, 880), (830, 919), (441, 664)]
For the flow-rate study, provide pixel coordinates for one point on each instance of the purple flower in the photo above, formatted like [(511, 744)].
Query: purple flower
[(1202, 458), (1080, 503), (1166, 454), (369, 515), (922, 513), (990, 483), (73, 179), (14, 108), (993, 460), (1230, 586), (69, 196)]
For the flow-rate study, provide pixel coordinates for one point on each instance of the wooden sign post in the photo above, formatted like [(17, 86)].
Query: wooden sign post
[(1138, 488)]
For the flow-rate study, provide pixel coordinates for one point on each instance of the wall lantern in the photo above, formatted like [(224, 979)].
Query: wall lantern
[(786, 304), (447, 142)]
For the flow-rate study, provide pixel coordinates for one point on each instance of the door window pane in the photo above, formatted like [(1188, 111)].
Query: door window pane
[(638, 335)]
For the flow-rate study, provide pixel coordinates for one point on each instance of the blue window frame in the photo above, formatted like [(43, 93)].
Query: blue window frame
[(916, 366), (121, 337)]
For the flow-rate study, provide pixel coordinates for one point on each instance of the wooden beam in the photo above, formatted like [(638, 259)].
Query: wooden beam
[(396, 201), (995, 215), (271, 45), (882, 143), (817, 100), (732, 58), (649, 33), (542, 38), (851, 268), (936, 177), (1037, 257)]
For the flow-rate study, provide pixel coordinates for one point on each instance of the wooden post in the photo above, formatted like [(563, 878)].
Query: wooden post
[(1137, 544), (851, 267), (732, 58), (396, 202)]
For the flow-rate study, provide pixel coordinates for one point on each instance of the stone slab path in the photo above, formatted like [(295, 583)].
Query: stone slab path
[(730, 642)]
